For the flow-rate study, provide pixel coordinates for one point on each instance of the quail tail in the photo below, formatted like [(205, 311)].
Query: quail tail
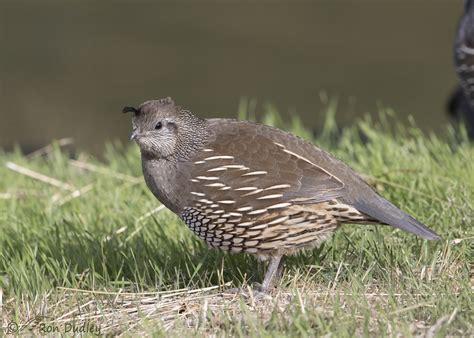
[(384, 211)]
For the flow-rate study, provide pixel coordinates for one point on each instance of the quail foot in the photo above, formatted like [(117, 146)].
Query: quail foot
[(244, 187)]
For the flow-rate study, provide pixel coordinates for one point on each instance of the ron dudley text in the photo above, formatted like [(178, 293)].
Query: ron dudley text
[(86, 327)]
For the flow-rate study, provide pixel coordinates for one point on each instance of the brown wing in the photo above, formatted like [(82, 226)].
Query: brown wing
[(243, 169)]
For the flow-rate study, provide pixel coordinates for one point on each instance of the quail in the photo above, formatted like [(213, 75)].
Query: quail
[(461, 103), (249, 188)]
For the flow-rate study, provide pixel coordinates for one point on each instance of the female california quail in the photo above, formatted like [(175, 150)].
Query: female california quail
[(247, 187), (461, 103)]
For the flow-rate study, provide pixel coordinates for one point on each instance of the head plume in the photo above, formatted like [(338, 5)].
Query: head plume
[(133, 110), (167, 101)]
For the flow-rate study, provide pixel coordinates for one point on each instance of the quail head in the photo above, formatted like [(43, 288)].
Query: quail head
[(250, 188)]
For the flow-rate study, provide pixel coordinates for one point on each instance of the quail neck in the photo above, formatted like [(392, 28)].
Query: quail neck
[(167, 137)]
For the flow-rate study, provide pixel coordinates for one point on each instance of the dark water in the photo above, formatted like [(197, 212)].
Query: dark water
[(68, 67)]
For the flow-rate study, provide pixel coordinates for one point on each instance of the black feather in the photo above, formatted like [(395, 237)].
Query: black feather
[(130, 110)]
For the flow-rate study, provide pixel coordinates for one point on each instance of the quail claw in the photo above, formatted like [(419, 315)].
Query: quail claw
[(255, 293)]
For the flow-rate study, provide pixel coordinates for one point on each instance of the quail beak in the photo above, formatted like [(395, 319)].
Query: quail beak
[(134, 135)]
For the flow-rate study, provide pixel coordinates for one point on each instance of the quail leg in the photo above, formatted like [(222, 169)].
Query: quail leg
[(273, 274)]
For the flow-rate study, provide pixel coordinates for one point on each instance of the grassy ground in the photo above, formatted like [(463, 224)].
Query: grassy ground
[(85, 246)]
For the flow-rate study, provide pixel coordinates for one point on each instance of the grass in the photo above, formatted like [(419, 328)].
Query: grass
[(87, 247)]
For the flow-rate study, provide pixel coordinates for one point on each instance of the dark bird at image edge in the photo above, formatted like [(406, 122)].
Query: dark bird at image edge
[(461, 102), (246, 187)]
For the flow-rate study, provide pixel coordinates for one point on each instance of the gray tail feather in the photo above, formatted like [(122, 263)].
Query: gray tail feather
[(384, 211)]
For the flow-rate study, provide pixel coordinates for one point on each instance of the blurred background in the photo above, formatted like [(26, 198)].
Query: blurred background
[(68, 67)]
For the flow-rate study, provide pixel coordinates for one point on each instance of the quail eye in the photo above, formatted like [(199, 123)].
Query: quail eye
[(158, 126)]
